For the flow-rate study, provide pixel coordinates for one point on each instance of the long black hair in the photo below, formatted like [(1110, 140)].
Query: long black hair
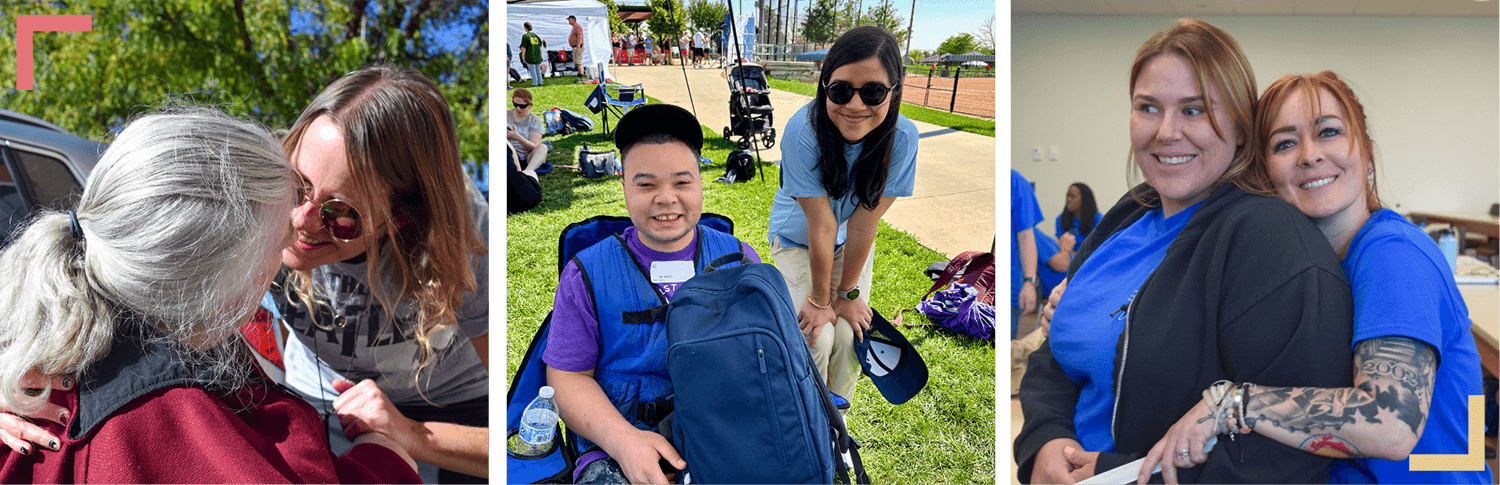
[(1088, 209), (874, 160)]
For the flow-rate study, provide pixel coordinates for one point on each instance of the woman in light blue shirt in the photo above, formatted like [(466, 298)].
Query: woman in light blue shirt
[(846, 157)]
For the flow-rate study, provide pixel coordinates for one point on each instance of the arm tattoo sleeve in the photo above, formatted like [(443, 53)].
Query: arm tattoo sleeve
[(1393, 384)]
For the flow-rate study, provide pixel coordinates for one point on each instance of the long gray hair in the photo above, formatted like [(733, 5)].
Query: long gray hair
[(177, 219)]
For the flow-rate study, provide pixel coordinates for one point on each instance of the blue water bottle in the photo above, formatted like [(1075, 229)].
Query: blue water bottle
[(1448, 244)]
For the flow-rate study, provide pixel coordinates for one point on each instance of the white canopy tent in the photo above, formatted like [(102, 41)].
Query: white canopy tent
[(549, 19)]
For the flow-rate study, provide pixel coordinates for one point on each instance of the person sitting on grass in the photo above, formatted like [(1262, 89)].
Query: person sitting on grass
[(614, 392), (524, 130), (524, 191)]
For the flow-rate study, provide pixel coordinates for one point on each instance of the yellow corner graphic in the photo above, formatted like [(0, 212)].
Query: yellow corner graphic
[(1471, 461)]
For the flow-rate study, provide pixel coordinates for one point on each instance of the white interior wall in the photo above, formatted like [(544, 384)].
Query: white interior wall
[(1429, 86)]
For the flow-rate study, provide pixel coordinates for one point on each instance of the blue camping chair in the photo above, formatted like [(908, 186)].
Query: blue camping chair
[(620, 99), (556, 464)]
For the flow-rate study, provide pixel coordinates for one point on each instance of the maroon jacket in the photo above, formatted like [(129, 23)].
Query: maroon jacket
[(138, 417)]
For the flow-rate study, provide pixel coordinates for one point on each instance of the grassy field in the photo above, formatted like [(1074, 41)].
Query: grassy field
[(944, 435), (967, 71)]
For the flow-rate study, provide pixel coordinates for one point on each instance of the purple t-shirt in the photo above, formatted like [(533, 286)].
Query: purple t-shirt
[(573, 340)]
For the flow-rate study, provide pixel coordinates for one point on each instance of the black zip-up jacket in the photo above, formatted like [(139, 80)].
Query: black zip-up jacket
[(1249, 291)]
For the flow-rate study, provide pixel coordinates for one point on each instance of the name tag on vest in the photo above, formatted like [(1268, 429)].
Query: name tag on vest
[(671, 271)]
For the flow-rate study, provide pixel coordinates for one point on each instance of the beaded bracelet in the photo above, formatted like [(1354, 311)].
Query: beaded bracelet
[(1215, 396), (1245, 407)]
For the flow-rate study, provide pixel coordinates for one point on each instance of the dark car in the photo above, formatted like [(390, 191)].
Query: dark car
[(43, 166)]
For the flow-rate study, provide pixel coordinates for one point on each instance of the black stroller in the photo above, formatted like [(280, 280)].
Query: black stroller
[(750, 111)]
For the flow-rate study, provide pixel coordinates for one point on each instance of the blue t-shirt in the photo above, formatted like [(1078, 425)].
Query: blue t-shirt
[(1024, 213), (1076, 229), (1091, 315), (1045, 248), (800, 177), (1402, 287)]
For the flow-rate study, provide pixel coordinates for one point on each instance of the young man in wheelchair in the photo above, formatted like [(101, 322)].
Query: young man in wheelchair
[(606, 355)]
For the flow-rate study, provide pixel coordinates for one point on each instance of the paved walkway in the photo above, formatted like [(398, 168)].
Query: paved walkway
[(952, 208)]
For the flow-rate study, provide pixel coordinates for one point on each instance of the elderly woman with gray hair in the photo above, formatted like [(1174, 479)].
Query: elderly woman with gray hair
[(139, 293)]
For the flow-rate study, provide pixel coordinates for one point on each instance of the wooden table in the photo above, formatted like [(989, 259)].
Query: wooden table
[(1484, 311), (1478, 224)]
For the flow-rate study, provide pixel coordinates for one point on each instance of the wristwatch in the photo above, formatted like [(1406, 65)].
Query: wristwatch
[(850, 295), (1032, 280)]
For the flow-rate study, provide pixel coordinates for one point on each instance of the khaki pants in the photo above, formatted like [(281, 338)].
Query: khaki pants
[(833, 352)]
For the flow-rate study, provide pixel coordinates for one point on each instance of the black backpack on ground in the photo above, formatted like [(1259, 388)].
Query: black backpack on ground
[(740, 167)]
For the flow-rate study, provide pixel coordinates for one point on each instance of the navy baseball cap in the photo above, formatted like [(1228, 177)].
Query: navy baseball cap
[(653, 119), (890, 361)]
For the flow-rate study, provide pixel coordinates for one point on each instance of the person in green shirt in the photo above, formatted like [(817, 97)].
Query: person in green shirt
[(531, 54)]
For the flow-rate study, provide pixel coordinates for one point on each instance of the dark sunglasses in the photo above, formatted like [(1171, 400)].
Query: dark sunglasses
[(339, 216), (522, 105), (841, 92)]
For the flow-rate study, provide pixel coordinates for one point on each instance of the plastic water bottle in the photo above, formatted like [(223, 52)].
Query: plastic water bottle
[(538, 424), (1448, 244)]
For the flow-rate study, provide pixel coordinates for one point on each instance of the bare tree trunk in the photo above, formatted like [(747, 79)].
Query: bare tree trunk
[(354, 27)]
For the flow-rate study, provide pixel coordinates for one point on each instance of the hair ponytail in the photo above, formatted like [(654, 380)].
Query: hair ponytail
[(53, 320)]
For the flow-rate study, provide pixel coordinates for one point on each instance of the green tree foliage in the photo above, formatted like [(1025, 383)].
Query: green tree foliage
[(957, 44), (849, 16), (916, 55), (884, 15), (706, 15), (264, 60), (616, 25), (820, 28), (668, 17)]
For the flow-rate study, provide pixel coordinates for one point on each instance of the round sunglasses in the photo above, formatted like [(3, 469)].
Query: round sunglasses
[(338, 215), (873, 93)]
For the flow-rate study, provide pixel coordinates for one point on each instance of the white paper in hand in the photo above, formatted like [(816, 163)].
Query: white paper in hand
[(1129, 472)]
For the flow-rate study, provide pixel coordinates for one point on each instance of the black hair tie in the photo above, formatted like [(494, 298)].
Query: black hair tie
[(73, 226)]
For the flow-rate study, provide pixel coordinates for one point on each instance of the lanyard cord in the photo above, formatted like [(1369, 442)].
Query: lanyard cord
[(332, 285)]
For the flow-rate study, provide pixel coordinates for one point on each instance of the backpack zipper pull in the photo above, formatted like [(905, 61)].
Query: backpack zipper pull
[(762, 354)]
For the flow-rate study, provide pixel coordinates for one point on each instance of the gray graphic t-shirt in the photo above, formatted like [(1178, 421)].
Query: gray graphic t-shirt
[(355, 338)]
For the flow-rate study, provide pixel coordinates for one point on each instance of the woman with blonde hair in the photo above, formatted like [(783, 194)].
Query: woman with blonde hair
[(387, 279), (1190, 279), (138, 294)]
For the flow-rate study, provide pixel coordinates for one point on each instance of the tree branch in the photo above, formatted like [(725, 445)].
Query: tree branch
[(239, 13), (417, 15), (351, 29)]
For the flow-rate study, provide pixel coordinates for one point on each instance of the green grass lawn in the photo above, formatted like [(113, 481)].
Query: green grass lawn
[(944, 435)]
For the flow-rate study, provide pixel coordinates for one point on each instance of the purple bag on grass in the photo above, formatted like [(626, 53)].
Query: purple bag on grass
[(958, 309)]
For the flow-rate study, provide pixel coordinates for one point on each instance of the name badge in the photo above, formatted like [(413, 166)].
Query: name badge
[(671, 271)]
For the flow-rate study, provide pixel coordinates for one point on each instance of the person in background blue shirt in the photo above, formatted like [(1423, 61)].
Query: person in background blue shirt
[(1051, 263), (1079, 215), (1415, 363), (1024, 213)]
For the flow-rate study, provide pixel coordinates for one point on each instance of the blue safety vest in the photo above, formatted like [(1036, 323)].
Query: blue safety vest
[(632, 368)]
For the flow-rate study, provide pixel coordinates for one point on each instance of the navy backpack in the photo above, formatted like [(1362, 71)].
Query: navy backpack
[(749, 406)]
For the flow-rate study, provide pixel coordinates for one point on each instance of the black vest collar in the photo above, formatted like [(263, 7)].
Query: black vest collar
[(136, 365)]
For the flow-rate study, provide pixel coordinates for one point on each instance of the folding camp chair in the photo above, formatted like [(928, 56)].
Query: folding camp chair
[(620, 99), (555, 465)]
